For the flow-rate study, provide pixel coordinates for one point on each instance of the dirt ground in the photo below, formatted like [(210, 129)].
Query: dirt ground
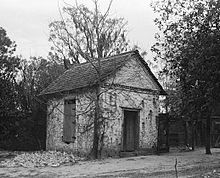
[(190, 164)]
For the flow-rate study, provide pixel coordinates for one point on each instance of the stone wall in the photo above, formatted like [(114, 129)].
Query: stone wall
[(113, 102), (145, 103), (84, 116), (135, 78), (135, 75)]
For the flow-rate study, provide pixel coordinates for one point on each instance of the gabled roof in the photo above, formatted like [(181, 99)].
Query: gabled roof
[(85, 75)]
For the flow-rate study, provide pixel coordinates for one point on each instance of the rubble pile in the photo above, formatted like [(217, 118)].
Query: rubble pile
[(40, 159)]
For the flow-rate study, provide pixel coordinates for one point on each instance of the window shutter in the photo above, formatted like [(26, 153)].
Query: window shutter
[(69, 123)]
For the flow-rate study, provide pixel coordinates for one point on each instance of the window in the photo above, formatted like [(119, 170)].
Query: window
[(69, 122)]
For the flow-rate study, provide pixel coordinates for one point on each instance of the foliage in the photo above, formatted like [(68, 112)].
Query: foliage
[(22, 112), (36, 74), (189, 51), (85, 34), (9, 65), (189, 48)]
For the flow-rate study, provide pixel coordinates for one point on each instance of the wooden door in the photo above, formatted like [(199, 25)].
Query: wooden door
[(163, 133), (69, 124), (130, 130)]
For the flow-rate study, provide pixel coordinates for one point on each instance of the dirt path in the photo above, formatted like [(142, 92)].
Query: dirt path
[(141, 166)]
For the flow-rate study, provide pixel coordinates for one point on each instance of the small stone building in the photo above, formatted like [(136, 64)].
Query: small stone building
[(129, 106)]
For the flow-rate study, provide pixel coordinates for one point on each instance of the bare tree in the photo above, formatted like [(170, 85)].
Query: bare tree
[(84, 35)]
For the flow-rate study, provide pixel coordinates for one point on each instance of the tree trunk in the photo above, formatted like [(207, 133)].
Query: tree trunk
[(96, 135), (95, 148), (95, 139), (193, 136), (208, 125), (186, 133)]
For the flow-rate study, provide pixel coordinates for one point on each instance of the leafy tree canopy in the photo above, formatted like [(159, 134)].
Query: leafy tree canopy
[(188, 47), (9, 63)]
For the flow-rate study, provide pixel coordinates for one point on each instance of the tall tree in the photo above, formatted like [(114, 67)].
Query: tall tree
[(9, 66), (36, 74), (85, 34), (9, 63), (189, 45), (88, 35), (22, 113)]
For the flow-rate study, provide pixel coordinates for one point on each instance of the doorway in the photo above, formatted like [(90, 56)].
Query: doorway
[(131, 130)]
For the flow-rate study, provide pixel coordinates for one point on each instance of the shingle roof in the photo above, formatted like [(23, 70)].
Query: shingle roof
[(85, 75)]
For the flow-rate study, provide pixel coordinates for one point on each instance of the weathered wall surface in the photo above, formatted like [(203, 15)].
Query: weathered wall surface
[(146, 103), (116, 100), (84, 110), (113, 102), (135, 75)]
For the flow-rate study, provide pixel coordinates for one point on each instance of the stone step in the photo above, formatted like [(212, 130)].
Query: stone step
[(124, 154)]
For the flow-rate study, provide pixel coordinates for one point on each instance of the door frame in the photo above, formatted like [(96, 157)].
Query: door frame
[(137, 129)]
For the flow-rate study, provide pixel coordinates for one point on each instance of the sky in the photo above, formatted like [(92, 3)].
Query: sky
[(27, 22)]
